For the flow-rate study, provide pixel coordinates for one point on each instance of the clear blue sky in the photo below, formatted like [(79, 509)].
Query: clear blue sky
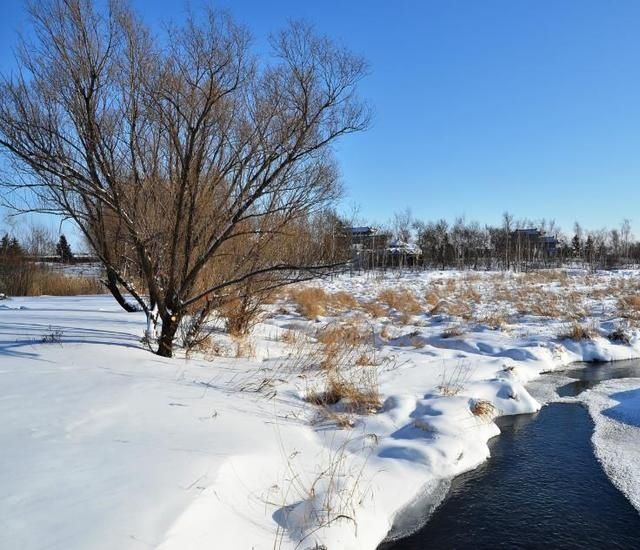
[(481, 106)]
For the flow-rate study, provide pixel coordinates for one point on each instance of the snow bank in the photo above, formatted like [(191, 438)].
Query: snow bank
[(108, 446)]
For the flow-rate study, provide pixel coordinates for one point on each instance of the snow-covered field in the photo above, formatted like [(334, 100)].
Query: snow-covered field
[(105, 445)]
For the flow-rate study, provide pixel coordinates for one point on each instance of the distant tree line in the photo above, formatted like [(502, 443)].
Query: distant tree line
[(517, 245)]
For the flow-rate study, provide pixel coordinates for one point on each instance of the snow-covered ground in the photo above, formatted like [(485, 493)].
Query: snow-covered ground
[(105, 445)]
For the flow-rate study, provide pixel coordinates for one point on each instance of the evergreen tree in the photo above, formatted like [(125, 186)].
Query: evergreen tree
[(576, 245), (589, 249), (4, 245), (64, 250), (15, 249)]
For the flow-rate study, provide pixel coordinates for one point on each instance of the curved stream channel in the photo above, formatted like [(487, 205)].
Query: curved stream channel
[(542, 487)]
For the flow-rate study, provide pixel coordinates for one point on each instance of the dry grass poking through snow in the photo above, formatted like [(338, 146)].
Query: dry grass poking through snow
[(581, 331), (346, 355), (483, 409), (402, 300), (310, 302), (314, 302), (50, 283)]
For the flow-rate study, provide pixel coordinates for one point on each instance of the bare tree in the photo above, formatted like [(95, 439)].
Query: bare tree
[(625, 234), (179, 152), (507, 226), (402, 224)]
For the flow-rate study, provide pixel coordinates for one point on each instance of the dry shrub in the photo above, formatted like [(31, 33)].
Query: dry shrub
[(484, 409), (374, 309), (342, 301), (242, 313), (629, 305), (432, 299), (402, 300), (310, 301), (580, 331)]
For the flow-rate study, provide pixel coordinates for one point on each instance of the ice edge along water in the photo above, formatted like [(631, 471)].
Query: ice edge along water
[(108, 446)]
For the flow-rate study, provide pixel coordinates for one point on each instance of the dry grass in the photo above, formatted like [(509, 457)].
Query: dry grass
[(402, 300), (580, 331), (342, 344), (545, 276), (452, 331), (50, 283), (496, 320), (242, 314), (354, 397), (291, 337), (244, 347), (432, 298), (453, 380), (374, 309), (313, 302), (340, 334), (629, 306), (342, 301), (310, 301), (484, 410)]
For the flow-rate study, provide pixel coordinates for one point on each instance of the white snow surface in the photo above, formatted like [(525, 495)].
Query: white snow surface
[(105, 445)]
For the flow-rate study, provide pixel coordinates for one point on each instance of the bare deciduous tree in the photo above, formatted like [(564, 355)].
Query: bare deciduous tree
[(168, 157)]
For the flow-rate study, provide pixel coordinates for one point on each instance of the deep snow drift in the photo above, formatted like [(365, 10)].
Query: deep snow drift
[(108, 446)]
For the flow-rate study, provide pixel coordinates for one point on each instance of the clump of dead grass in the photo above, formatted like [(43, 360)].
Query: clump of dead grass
[(354, 396), (313, 302), (310, 301), (454, 379), (452, 331), (373, 308), (496, 320), (402, 300), (580, 331), (483, 409)]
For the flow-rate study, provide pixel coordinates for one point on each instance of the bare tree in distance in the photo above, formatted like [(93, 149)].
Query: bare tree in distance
[(167, 157)]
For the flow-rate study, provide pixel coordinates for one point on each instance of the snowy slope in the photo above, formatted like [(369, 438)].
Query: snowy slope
[(108, 446)]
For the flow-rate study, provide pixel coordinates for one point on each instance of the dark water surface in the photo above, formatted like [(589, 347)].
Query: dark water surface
[(588, 376), (541, 488)]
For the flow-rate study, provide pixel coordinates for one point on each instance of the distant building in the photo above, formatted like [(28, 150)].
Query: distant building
[(532, 242)]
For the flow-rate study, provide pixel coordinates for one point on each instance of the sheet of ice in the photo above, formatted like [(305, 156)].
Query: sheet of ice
[(615, 408)]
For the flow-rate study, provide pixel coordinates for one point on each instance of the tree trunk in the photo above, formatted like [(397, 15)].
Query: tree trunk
[(167, 335)]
